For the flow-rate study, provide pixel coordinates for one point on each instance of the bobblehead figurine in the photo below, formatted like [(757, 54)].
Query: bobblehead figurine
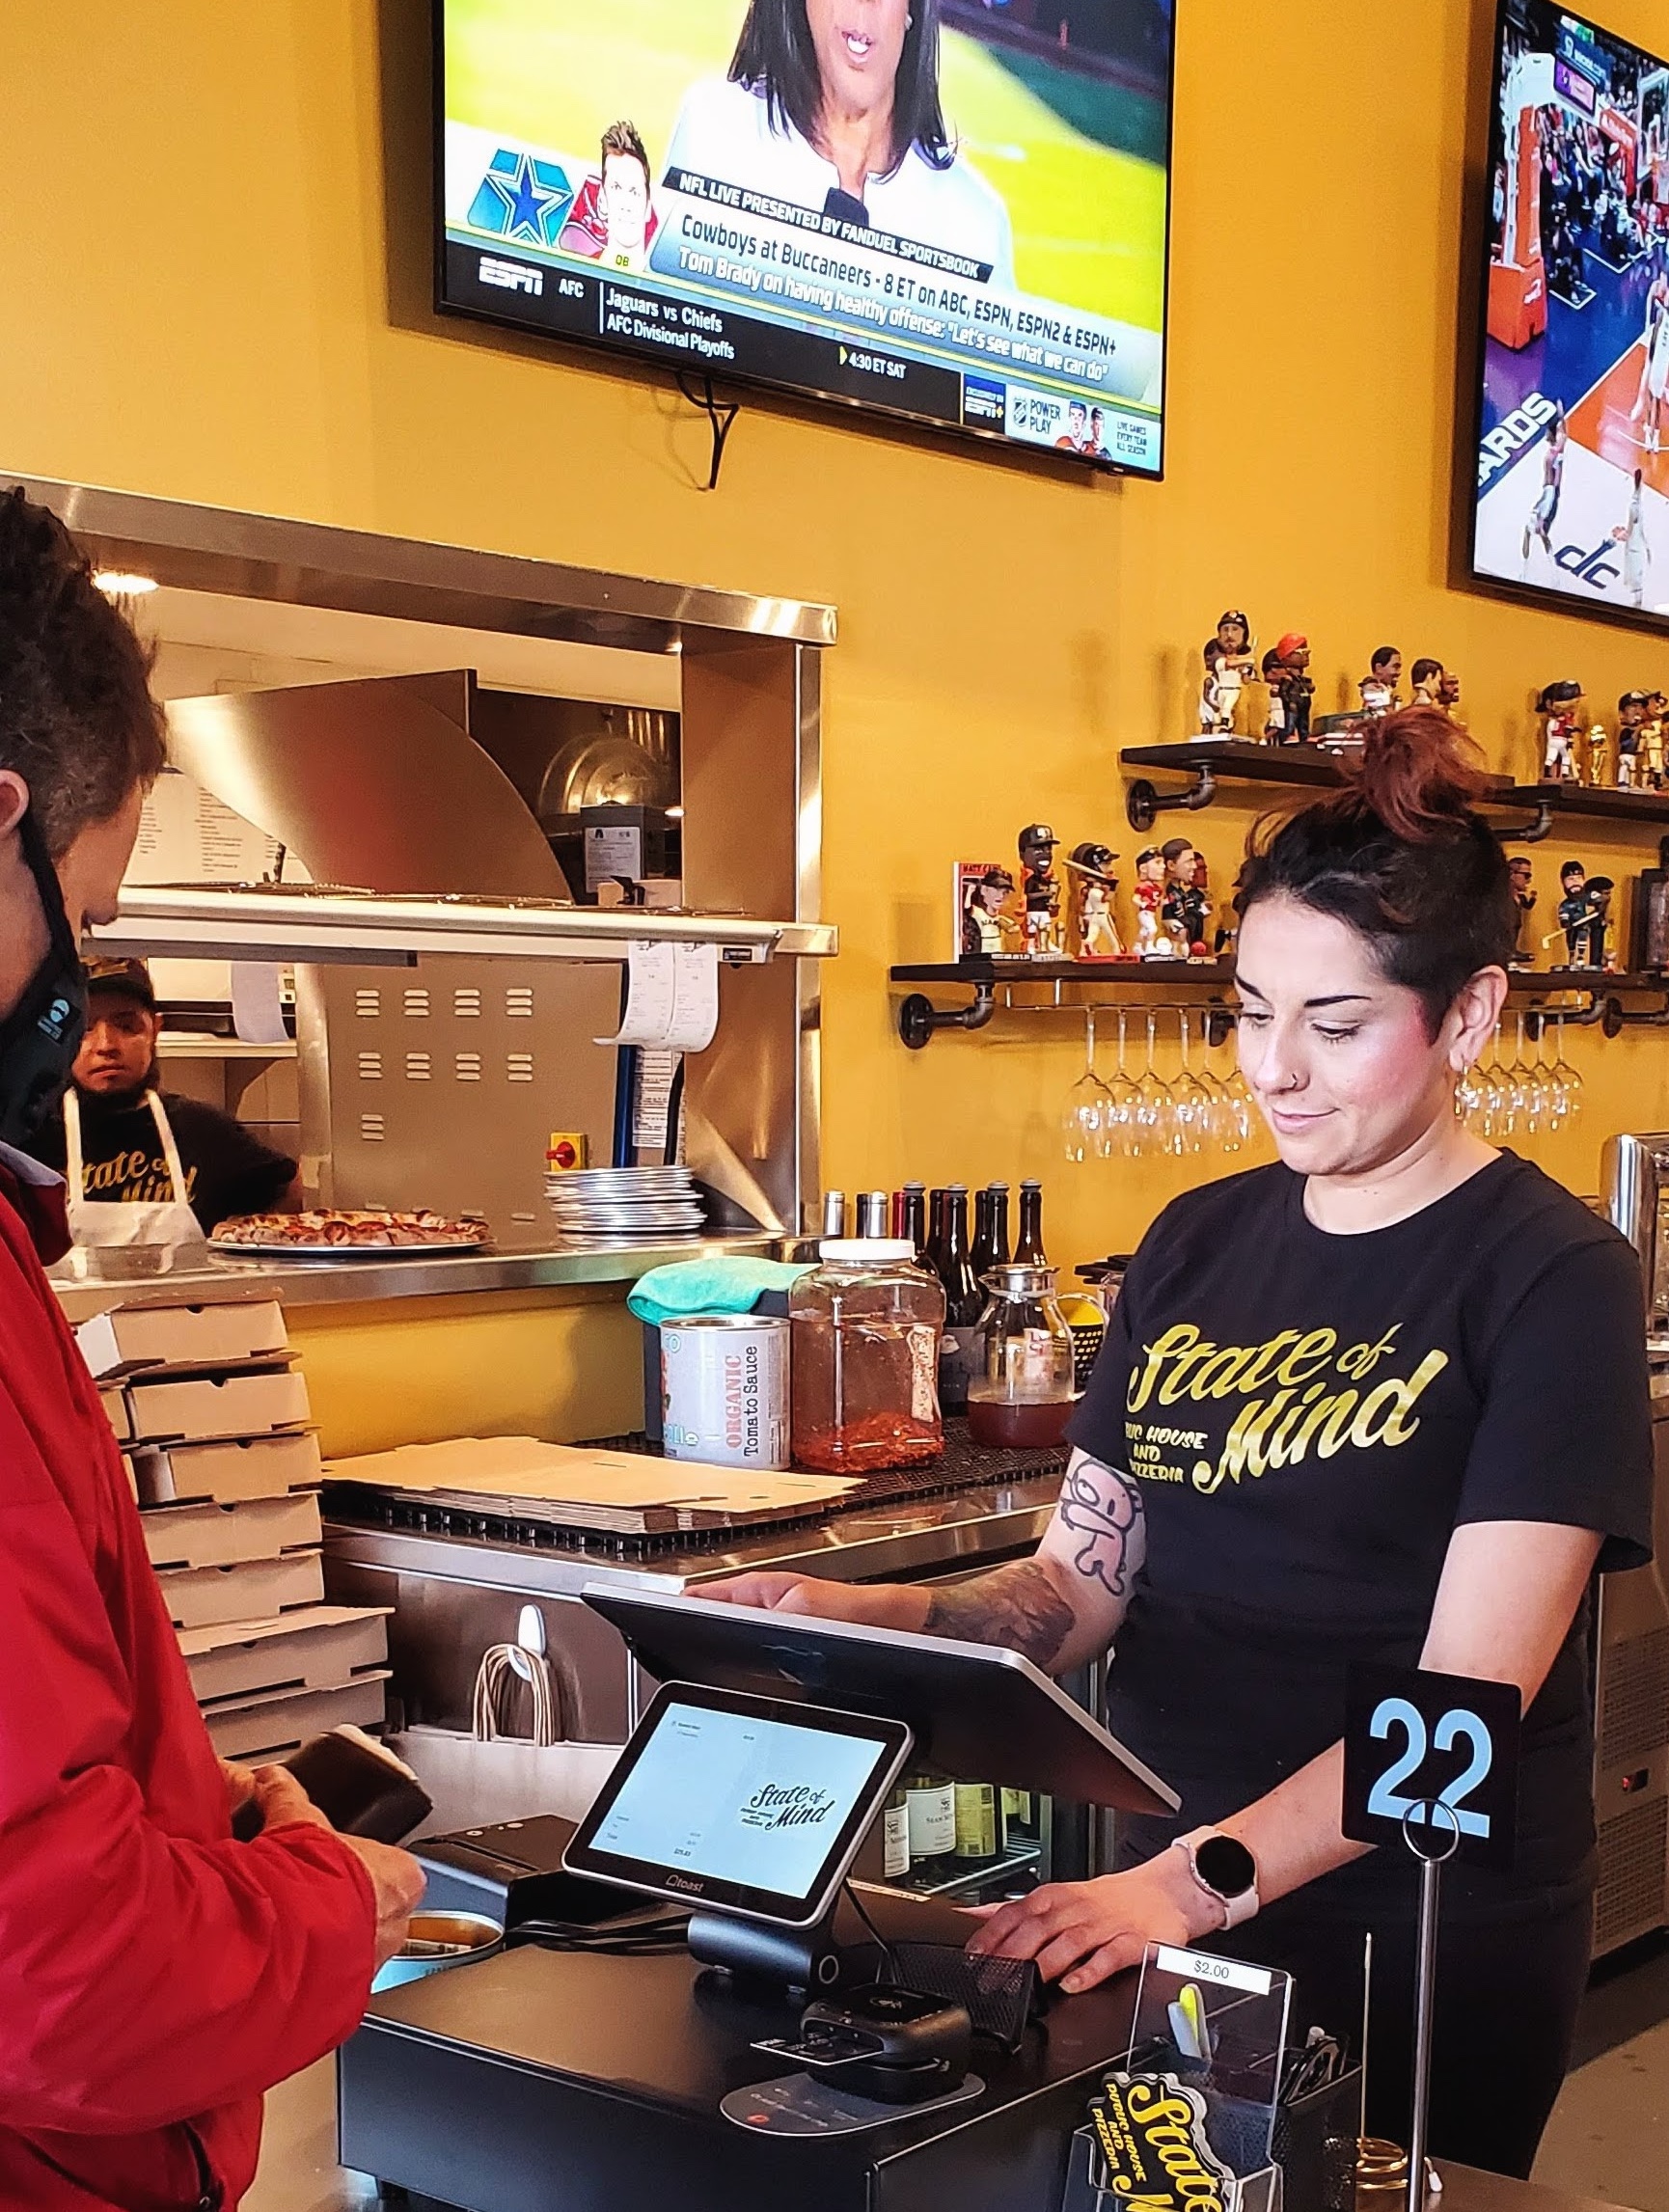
[(1634, 712), (1229, 667), (1183, 911), (1286, 671), (1042, 892), (1525, 899), (1560, 707), (1151, 944), (1379, 687), (1094, 930)]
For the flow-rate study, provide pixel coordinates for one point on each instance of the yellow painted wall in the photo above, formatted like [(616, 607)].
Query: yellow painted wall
[(564, 1365), (202, 301)]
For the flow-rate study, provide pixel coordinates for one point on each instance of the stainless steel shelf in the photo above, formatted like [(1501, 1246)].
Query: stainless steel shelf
[(272, 922), (133, 1280)]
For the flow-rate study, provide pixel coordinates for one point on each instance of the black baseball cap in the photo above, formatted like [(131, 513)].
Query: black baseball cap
[(121, 978)]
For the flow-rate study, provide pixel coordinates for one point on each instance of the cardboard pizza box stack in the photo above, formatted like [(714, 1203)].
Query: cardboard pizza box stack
[(212, 1417)]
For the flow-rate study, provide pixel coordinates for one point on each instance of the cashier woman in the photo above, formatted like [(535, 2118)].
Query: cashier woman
[(156, 1977), (1386, 1399)]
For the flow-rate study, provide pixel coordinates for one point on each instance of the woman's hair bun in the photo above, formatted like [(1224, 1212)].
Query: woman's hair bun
[(1420, 773)]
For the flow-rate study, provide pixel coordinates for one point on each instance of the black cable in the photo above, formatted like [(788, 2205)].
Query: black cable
[(720, 417), (660, 1937), (889, 1957)]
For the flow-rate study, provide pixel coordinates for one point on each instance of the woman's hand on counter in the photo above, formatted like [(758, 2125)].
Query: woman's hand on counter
[(876, 1604), (1081, 1934)]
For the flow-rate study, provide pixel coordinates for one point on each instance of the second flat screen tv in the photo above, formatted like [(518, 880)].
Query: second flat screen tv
[(1572, 485), (955, 211)]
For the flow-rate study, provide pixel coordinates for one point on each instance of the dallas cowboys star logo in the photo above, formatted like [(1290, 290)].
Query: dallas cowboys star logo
[(521, 198)]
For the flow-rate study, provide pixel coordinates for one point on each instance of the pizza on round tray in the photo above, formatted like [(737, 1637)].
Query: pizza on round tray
[(350, 1231)]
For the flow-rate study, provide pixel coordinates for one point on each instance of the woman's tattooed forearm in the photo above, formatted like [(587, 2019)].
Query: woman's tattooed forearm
[(1016, 1606), (1104, 1512)]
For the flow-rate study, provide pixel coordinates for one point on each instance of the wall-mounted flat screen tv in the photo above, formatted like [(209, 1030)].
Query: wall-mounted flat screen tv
[(1572, 485), (955, 211)]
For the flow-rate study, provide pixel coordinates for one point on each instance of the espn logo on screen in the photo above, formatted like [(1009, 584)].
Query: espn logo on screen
[(511, 276)]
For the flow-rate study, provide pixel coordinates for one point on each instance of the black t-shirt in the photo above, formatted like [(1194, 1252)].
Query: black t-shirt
[(1309, 1417), (228, 1169)]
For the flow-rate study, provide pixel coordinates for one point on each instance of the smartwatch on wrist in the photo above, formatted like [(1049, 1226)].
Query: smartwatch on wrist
[(1225, 1870)]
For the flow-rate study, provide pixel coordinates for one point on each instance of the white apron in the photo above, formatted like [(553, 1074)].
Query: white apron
[(104, 1224)]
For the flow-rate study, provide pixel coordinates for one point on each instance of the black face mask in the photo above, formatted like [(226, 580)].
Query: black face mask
[(41, 1037)]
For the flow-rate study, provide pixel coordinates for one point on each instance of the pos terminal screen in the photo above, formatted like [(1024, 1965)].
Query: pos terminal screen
[(740, 1803)]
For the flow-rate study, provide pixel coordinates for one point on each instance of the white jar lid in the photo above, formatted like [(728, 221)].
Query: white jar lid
[(865, 1251)]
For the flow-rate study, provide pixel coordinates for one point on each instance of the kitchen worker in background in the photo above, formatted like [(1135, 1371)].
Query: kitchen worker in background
[(144, 1167), (156, 1977)]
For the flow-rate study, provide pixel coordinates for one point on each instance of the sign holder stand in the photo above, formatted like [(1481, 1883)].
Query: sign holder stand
[(1432, 1865)]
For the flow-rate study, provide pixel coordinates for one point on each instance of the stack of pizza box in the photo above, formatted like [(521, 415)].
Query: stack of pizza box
[(211, 1413)]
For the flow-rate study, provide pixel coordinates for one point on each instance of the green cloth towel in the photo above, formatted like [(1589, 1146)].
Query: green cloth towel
[(708, 1286)]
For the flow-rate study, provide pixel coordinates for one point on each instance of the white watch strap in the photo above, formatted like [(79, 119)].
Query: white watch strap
[(1236, 1911)]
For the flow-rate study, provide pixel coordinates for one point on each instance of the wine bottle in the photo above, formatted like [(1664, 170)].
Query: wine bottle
[(975, 1821), (998, 1223), (935, 1230), (983, 1256), (896, 1836), (931, 1802), (871, 1214), (963, 1303), (1029, 1252), (913, 1218)]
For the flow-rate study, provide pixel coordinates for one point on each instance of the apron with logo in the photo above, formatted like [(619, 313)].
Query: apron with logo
[(109, 1225)]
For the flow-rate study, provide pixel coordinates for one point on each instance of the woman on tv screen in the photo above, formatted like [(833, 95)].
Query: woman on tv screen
[(835, 105)]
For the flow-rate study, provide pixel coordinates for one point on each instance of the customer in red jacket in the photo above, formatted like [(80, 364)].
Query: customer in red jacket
[(156, 1977)]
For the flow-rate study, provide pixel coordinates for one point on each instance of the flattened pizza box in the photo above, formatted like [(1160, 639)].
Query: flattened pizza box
[(202, 1596), (316, 1648), (129, 1338), (117, 1412), (218, 1407), (229, 1470), (228, 1536), (272, 1728)]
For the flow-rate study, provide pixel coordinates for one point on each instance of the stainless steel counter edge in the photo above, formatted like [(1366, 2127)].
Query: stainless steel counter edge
[(298, 1284), (962, 1528)]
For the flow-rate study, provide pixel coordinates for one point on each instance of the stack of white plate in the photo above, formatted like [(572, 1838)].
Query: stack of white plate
[(625, 1205)]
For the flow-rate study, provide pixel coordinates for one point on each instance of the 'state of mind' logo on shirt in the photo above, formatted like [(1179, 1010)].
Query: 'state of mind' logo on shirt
[(133, 1178), (1300, 1393)]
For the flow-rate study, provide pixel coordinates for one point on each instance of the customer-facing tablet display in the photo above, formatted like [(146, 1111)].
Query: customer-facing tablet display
[(740, 1804), (953, 210)]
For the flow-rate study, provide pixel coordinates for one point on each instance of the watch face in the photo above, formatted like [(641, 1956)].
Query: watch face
[(1226, 1866)]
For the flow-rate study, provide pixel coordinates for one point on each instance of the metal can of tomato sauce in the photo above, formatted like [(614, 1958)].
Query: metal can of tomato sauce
[(724, 1389)]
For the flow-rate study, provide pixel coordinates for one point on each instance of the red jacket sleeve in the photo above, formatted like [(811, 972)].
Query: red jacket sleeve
[(145, 1975)]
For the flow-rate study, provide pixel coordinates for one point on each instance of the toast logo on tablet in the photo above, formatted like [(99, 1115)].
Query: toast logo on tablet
[(798, 1807)]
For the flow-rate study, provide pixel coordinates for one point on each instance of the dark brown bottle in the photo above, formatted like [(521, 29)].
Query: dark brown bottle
[(998, 1223), (984, 1254), (1029, 1252), (963, 1303), (913, 1218), (935, 1230)]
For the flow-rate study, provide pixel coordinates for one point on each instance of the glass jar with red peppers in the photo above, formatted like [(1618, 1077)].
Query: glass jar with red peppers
[(865, 1329)]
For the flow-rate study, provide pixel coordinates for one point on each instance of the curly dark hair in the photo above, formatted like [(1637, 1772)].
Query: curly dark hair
[(78, 721), (1401, 856)]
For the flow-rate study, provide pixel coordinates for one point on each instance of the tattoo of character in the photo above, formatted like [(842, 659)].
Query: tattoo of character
[(1105, 1511), (1017, 1606)]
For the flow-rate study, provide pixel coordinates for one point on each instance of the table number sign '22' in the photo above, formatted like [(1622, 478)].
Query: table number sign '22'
[(1431, 1760)]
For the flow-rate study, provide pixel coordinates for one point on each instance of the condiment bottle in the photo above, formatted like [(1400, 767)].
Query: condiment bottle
[(866, 1328)]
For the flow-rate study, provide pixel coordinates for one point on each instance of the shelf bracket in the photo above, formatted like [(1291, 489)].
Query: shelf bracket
[(1534, 832), (1144, 804), (920, 1020), (1614, 1020)]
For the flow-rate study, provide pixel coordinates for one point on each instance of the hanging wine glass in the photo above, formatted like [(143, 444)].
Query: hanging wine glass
[(1523, 1094), (1567, 1083), (1084, 1121), (1491, 1117), (1224, 1122), (1122, 1095), (1191, 1101), (1155, 1118)]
